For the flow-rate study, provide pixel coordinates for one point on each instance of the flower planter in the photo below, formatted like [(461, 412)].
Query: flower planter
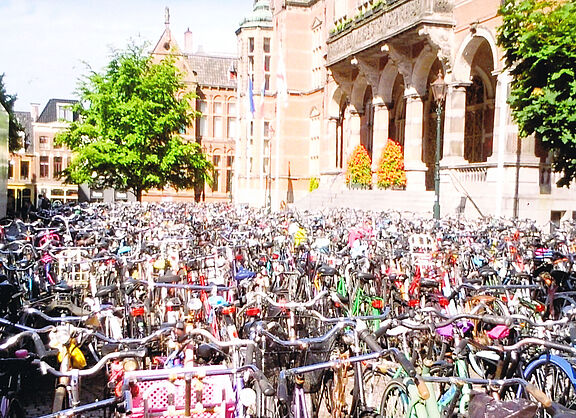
[(358, 186)]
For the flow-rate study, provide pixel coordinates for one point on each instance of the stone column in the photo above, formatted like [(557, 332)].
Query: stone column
[(354, 139), (415, 168), (380, 132), (454, 121), (504, 139), (330, 144)]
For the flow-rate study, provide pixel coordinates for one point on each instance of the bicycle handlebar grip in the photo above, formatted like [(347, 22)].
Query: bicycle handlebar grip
[(250, 354), (422, 389), (265, 386), (405, 363), (539, 395), (282, 391), (365, 335), (494, 320)]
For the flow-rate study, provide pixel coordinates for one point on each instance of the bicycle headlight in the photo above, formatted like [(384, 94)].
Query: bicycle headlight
[(248, 397), (129, 365)]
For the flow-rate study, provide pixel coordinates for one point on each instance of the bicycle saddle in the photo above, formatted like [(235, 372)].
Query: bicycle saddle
[(106, 291), (168, 278), (327, 271), (429, 283), (62, 287), (243, 273), (365, 276)]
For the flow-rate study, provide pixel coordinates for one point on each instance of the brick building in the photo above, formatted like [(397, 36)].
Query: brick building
[(35, 168), (211, 77)]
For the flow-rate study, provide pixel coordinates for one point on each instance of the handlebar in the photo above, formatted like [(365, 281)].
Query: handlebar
[(46, 368), (37, 341)]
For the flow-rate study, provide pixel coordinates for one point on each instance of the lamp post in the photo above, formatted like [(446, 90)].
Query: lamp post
[(439, 93)]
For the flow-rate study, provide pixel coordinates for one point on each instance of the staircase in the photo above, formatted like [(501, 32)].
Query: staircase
[(401, 200)]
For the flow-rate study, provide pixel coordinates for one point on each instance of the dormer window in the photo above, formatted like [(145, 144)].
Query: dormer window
[(65, 113)]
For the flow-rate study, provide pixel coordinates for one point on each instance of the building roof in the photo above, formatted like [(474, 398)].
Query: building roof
[(50, 111), (261, 15), (213, 70), (25, 119)]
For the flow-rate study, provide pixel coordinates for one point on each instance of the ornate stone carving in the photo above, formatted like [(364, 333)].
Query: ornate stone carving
[(403, 61), (370, 73), (402, 16), (441, 39), (344, 81), (394, 20)]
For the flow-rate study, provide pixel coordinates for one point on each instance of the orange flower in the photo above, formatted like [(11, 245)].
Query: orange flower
[(391, 170), (358, 170)]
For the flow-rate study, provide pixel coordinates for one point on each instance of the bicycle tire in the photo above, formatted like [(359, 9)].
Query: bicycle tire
[(395, 401), (374, 387), (556, 377)]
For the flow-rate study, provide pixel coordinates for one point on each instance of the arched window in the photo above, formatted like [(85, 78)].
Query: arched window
[(367, 122), (478, 128)]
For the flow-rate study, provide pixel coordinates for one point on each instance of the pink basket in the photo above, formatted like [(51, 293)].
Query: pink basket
[(217, 391)]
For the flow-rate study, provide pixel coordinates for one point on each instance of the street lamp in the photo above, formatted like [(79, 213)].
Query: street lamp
[(439, 93)]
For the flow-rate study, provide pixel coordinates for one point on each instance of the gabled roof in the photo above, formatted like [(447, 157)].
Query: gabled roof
[(50, 112), (213, 70)]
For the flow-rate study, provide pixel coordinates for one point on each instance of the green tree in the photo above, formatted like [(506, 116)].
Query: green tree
[(126, 134), (539, 42), (14, 127)]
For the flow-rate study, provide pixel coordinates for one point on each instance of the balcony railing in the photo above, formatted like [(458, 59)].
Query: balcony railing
[(472, 174), (382, 22)]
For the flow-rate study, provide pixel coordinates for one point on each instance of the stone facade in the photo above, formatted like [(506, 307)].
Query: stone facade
[(359, 72)]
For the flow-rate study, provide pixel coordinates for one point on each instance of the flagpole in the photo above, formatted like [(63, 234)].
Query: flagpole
[(281, 101)]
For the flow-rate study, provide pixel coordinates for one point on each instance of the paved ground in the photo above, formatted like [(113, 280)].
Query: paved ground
[(38, 392)]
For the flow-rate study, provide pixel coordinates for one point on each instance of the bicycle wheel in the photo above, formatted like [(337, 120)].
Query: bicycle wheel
[(395, 401), (556, 377), (12, 408), (374, 387)]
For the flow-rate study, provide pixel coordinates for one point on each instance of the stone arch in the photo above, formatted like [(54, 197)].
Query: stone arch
[(358, 90), (386, 82), (422, 67), (336, 113), (462, 71), (337, 96)]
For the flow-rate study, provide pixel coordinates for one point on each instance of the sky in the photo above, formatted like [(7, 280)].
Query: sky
[(45, 45)]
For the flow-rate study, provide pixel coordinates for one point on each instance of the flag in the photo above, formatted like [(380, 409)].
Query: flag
[(281, 84), (250, 96), (262, 95), (232, 72)]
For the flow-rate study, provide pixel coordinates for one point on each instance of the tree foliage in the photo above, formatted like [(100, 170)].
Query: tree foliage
[(126, 134), (14, 126), (539, 41)]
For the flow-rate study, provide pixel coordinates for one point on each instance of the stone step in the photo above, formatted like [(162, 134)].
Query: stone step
[(401, 200)]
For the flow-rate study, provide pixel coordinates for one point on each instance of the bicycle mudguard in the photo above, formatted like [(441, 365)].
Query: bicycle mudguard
[(557, 360)]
